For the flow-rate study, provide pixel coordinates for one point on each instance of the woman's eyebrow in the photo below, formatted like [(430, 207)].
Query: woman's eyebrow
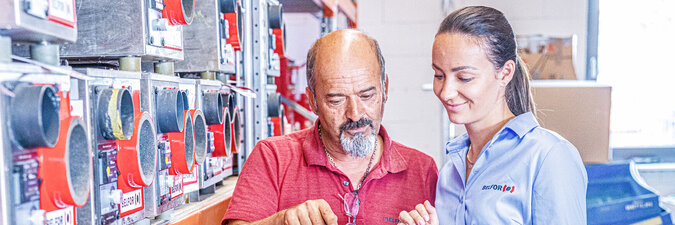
[(456, 68), (463, 68)]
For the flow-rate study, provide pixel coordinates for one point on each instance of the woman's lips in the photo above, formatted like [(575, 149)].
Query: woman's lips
[(454, 107)]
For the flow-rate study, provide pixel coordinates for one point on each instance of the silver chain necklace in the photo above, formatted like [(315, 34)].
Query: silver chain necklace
[(333, 162)]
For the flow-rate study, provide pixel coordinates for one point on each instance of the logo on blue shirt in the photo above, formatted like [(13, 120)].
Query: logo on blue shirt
[(498, 187)]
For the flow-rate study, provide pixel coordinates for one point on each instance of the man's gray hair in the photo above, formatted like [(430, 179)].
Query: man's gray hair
[(311, 58)]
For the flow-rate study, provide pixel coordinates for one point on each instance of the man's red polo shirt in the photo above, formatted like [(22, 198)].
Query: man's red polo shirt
[(282, 172)]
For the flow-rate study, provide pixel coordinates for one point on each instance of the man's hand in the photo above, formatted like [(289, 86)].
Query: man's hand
[(422, 214), (311, 212)]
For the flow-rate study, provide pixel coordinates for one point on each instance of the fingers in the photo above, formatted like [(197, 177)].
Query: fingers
[(291, 217), (430, 208), (314, 213), (433, 217), (423, 212), (328, 216), (309, 213), (303, 214), (405, 218), (416, 216)]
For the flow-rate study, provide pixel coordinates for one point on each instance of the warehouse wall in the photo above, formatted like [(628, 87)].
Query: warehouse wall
[(405, 30)]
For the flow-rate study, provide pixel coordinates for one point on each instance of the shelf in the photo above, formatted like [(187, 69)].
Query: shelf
[(209, 211), (347, 7)]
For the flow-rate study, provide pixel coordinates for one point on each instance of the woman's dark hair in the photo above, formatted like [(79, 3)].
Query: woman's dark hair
[(496, 37)]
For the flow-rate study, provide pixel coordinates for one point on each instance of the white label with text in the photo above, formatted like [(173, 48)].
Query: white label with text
[(62, 9), (177, 189), (131, 200), (64, 216)]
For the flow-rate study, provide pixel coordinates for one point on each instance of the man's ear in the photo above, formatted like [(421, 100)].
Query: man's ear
[(386, 88), (505, 74), (312, 100)]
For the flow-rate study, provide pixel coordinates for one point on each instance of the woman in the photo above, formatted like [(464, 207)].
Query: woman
[(506, 169)]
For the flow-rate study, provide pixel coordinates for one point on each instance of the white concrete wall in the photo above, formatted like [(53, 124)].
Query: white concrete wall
[(405, 30)]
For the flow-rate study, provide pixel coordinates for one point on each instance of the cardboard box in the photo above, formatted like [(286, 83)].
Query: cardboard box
[(548, 58), (579, 111)]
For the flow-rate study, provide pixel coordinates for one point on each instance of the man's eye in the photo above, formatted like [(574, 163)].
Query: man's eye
[(439, 77), (465, 80)]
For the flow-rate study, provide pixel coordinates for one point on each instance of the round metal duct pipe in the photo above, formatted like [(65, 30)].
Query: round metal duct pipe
[(275, 14), (231, 103), (274, 104), (170, 115), (186, 101), (179, 12), (233, 14), (212, 105), (115, 113), (200, 137), (236, 130), (222, 138), (66, 168), (137, 157), (78, 162), (227, 134), (228, 6), (34, 116), (183, 147)]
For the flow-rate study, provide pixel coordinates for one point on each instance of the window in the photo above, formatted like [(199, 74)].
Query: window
[(636, 55)]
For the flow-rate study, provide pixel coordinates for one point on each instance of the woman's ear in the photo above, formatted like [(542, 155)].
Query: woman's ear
[(505, 74)]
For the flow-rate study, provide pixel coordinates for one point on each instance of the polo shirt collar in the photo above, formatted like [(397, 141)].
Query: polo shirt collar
[(522, 124), (457, 144), (391, 161)]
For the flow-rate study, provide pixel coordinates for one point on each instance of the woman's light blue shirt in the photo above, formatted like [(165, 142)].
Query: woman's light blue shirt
[(524, 175)]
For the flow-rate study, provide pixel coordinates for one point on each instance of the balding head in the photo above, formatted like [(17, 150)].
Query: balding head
[(336, 46)]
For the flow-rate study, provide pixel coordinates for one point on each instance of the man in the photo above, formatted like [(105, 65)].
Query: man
[(345, 168)]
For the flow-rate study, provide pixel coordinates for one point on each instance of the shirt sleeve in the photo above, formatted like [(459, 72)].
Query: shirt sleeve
[(256, 195), (432, 179), (559, 193)]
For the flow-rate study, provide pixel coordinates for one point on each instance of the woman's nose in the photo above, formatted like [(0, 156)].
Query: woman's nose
[(448, 91)]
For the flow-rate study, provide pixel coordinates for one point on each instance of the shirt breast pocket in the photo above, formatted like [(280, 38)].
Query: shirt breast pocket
[(506, 199)]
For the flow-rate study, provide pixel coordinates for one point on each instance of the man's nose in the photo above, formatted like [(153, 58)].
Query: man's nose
[(355, 109)]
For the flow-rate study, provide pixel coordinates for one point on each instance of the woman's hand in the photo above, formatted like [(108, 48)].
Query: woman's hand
[(421, 215)]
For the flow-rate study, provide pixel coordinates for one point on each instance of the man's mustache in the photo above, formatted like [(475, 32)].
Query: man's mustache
[(356, 124)]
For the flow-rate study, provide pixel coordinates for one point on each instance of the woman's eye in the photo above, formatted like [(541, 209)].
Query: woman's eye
[(439, 76)]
